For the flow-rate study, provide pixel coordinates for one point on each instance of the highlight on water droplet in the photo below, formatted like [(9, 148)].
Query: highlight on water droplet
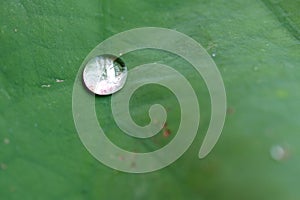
[(105, 74)]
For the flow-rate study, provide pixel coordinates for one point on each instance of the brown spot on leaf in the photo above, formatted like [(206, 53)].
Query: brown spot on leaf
[(230, 110), (167, 132)]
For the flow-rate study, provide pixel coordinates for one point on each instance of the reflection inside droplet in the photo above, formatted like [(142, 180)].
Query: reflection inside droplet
[(105, 74)]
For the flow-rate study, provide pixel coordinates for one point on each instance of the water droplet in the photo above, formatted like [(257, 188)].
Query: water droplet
[(15, 30), (105, 74), (213, 54), (277, 152)]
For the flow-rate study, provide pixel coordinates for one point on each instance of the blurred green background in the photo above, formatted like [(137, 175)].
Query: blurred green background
[(255, 44)]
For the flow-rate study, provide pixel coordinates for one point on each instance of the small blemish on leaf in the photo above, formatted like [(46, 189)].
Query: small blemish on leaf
[(6, 141), (133, 164), (59, 80), (278, 152), (45, 86), (230, 110), (167, 133), (3, 166)]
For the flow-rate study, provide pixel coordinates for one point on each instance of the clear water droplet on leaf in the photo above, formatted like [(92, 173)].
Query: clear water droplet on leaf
[(277, 152), (105, 74)]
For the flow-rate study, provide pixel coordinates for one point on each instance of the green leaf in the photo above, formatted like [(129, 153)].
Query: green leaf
[(256, 48)]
